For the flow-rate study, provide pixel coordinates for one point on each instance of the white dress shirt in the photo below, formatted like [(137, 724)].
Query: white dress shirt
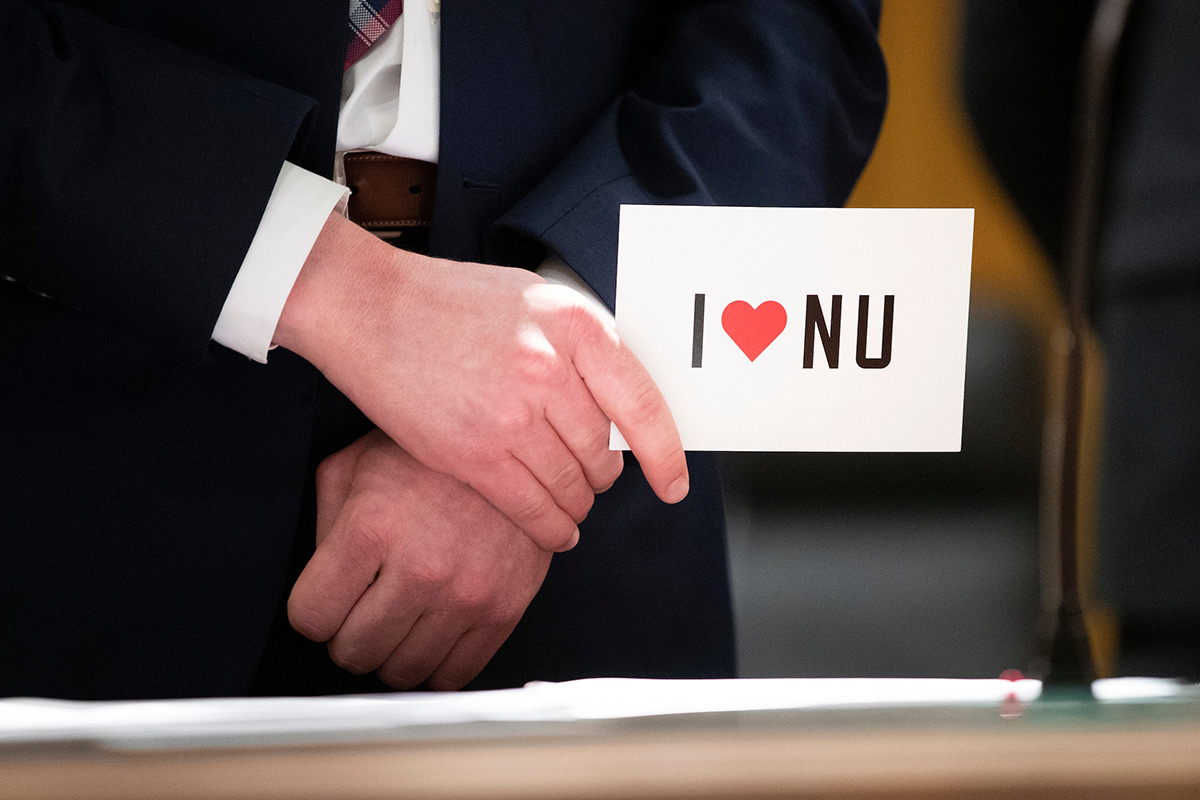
[(375, 90)]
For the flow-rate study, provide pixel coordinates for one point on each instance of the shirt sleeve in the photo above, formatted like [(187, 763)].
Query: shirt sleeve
[(556, 271), (296, 211)]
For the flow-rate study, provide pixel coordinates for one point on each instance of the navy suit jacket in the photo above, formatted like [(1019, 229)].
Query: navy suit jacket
[(151, 482)]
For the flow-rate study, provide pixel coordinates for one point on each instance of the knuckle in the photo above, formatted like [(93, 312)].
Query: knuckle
[(308, 620), (514, 419), (597, 440), (566, 476), (531, 504), (645, 403), (540, 367), (473, 598), (369, 530), (431, 573), (581, 323)]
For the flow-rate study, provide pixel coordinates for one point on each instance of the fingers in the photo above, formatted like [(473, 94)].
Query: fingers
[(584, 430), (337, 575), (516, 493), (446, 654), (423, 649), (376, 625), (556, 468), (626, 393), (335, 477), (334, 579), (468, 657), (387, 632), (412, 561), (563, 463)]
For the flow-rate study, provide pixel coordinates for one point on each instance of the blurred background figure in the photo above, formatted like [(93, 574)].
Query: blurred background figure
[(1020, 69), (927, 564), (919, 564)]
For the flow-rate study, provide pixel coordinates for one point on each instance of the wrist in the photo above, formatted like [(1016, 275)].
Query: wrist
[(346, 268)]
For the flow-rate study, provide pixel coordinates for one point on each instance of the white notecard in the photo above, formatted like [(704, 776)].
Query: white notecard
[(801, 329)]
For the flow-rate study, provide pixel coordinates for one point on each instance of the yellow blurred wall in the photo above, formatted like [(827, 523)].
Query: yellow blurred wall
[(927, 157)]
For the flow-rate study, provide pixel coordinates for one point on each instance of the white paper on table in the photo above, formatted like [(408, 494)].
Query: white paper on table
[(759, 395), (276, 720)]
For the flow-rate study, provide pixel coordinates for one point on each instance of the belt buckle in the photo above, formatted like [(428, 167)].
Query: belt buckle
[(390, 196)]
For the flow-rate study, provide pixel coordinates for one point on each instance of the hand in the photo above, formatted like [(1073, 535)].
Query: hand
[(489, 374), (415, 575)]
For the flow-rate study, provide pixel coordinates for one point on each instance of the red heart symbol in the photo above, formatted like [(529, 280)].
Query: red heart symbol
[(753, 329)]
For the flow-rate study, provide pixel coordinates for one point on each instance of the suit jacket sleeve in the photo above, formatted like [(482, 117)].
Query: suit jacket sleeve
[(749, 102), (133, 172)]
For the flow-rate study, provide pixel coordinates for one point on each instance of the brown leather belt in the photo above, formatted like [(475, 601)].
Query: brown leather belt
[(391, 197)]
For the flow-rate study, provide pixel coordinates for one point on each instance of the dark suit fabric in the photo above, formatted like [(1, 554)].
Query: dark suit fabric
[(152, 484), (1150, 322)]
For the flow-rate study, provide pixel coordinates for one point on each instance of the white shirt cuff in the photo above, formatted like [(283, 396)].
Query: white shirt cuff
[(299, 205), (555, 270)]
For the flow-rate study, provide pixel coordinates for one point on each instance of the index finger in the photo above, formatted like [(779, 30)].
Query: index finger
[(629, 397)]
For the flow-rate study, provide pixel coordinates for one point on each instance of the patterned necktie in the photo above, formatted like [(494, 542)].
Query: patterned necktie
[(368, 20)]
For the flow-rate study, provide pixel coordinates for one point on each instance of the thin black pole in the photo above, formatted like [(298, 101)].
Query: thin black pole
[(1065, 647)]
